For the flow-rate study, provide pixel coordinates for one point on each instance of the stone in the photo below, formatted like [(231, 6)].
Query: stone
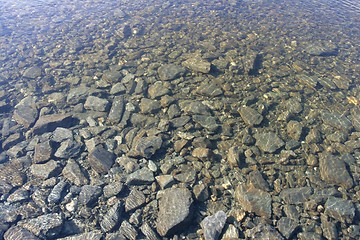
[(89, 195), (57, 192), (158, 89), (68, 149), (310, 81), (323, 49), (113, 189), (175, 211), (213, 225), (128, 230), (96, 104), (12, 140), (118, 88), (335, 120), (18, 150), (45, 170), (202, 153), (340, 209), (201, 192), (117, 110), (19, 195), (77, 94), (43, 152), (263, 231), (73, 173), (296, 195), (194, 107), (101, 160), (168, 72), (93, 235), (207, 122), (355, 118), (44, 226), (287, 226), (209, 89), (135, 200), (254, 200), (293, 106), (25, 115), (18, 233), (314, 136), (148, 106), (32, 72), (197, 64), (233, 156), (257, 180), (329, 228), (146, 147), (165, 181), (333, 170), (250, 116), (294, 130), (113, 75), (268, 141), (112, 217), (48, 123), (61, 134), (148, 232), (140, 177)]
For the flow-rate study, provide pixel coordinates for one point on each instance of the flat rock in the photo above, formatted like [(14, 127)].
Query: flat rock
[(140, 177), (209, 89), (340, 209), (355, 118), (294, 130), (257, 180), (68, 149), (146, 146), (101, 160), (293, 106), (93, 235), (96, 104), (48, 123), (117, 110), (158, 89), (118, 88), (174, 211), (12, 140), (194, 107), (323, 49), (197, 64), (148, 106), (268, 142), (57, 192), (26, 111), (135, 200), (112, 75), (43, 152), (32, 72), (250, 116), (170, 71), (165, 181), (254, 200), (89, 195), (287, 226), (113, 189), (73, 173), (77, 94), (336, 120), (213, 225), (18, 233), (112, 217), (310, 81), (62, 134), (208, 122), (296, 195), (45, 170), (333, 170), (45, 226)]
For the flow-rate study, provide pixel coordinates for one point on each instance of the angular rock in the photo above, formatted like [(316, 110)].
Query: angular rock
[(146, 146), (329, 228), (135, 200), (293, 106), (194, 107), (45, 170), (175, 211), (201, 192), (310, 81), (117, 110), (96, 104), (48, 123), (296, 195), (149, 233), (268, 142), (287, 226), (213, 225), (170, 71), (140, 177), (112, 75), (112, 218), (333, 170), (250, 116), (257, 180), (340, 209), (32, 72), (294, 130), (197, 64), (263, 231), (254, 200), (118, 88), (323, 49), (18, 196), (101, 160), (77, 94), (355, 118), (128, 230), (208, 122), (12, 140), (43, 152), (165, 181), (61, 134), (18, 150), (113, 189), (148, 106), (73, 173), (336, 120), (201, 153), (233, 156), (68, 149), (45, 226), (89, 195), (25, 115), (209, 89), (57, 192), (18, 233), (158, 89), (93, 235)]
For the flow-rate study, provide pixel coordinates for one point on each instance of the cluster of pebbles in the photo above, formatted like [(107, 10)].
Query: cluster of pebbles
[(192, 119)]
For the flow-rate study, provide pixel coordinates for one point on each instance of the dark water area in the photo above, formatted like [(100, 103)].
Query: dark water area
[(222, 119)]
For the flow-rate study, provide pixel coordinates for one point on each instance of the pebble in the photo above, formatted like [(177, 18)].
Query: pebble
[(96, 104), (268, 142), (140, 177), (250, 116), (101, 160)]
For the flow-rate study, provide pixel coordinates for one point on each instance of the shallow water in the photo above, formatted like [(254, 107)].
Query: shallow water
[(268, 87)]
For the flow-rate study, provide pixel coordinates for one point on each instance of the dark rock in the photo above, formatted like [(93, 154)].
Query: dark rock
[(180, 121), (112, 217), (197, 64), (175, 211), (118, 88), (250, 116), (333, 170), (96, 104), (45, 226), (48, 123), (194, 107), (12, 175), (294, 130), (322, 49), (112, 75), (57, 192), (148, 106), (213, 225), (309, 236), (263, 231), (77, 95), (73, 173), (45, 170), (287, 226), (355, 118), (329, 228), (268, 142), (93, 235), (18, 233), (158, 89), (293, 106), (173, 111), (89, 195), (146, 146), (209, 89), (12, 140), (310, 81), (335, 120), (4, 106), (135, 200), (201, 192), (208, 122), (61, 134), (340, 209), (254, 200), (18, 196), (185, 174), (101, 160), (117, 110), (256, 179), (140, 177), (233, 156), (32, 72), (43, 152), (113, 189), (128, 230), (68, 149), (314, 136), (296, 195), (149, 233), (25, 115), (170, 71)]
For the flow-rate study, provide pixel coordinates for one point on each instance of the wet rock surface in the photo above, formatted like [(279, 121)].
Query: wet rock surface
[(170, 120)]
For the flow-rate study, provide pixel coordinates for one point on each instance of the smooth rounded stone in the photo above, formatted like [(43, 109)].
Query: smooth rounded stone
[(77, 94), (148, 106), (117, 110), (45, 170), (18, 196), (333, 170), (323, 49), (168, 72), (89, 195), (213, 225), (263, 231), (96, 104), (268, 141), (44, 226), (287, 226), (296, 195), (32, 72), (340, 209), (101, 160), (12, 140), (135, 200), (165, 181), (18, 233), (128, 230), (201, 192), (43, 152), (250, 116), (175, 211), (148, 232), (73, 173), (113, 189), (158, 89), (57, 192), (93, 235), (118, 88), (112, 75), (68, 149), (209, 89), (61, 134), (112, 217), (194, 107), (146, 147), (48, 123), (197, 64), (294, 130), (335, 120), (208, 122), (254, 200), (257, 180), (140, 177)]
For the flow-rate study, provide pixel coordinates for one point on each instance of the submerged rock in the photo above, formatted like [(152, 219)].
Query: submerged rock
[(198, 65), (170, 71)]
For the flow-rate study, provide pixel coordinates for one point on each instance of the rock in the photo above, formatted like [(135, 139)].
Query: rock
[(101, 160), (68, 149), (293, 106), (158, 89), (45, 226), (287, 226), (208, 122), (148, 106), (45, 170), (309, 236), (323, 49), (233, 156), (340, 209), (77, 94), (294, 130), (135, 200), (149, 233), (165, 181), (201, 192), (231, 232), (201, 153), (117, 110), (310, 81), (128, 230), (18, 196), (118, 88), (333, 170), (314, 136), (175, 211), (48, 123), (61, 134), (213, 225), (10, 174), (12, 140), (296, 195), (194, 107), (32, 72), (256, 179), (197, 64), (18, 150), (146, 146), (25, 115), (96, 104), (250, 116), (18, 233), (112, 217), (140, 177), (335, 120), (89, 195), (57, 192), (73, 173), (329, 228), (93, 235), (209, 89), (268, 142), (263, 231), (254, 200), (43, 152), (170, 71), (113, 189), (355, 118)]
